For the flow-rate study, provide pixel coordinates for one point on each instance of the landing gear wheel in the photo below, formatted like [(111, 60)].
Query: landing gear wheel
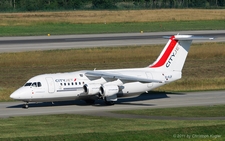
[(90, 101), (25, 106)]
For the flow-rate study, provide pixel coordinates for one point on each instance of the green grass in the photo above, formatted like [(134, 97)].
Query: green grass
[(77, 127), (70, 28), (189, 134), (197, 111)]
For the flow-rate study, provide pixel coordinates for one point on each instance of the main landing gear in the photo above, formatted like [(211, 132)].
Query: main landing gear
[(109, 102), (92, 102)]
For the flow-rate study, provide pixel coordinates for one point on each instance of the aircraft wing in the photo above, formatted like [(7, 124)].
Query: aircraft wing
[(115, 76)]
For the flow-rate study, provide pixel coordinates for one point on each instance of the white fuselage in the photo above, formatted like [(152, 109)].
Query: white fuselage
[(69, 86)]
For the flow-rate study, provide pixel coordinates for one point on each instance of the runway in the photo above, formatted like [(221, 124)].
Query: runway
[(34, 43), (150, 100)]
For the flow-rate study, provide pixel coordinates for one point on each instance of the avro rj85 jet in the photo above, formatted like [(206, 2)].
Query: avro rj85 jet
[(108, 85)]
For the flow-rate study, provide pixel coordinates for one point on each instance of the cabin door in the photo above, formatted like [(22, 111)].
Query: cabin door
[(51, 85)]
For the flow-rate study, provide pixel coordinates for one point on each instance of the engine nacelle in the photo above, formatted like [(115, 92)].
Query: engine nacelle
[(91, 89), (109, 90)]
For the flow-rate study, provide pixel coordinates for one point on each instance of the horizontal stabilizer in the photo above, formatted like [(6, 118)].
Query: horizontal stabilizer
[(115, 76), (188, 37)]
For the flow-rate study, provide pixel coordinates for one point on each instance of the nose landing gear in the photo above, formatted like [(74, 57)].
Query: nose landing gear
[(25, 106)]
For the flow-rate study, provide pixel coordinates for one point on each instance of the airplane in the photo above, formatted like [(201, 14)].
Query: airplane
[(109, 85)]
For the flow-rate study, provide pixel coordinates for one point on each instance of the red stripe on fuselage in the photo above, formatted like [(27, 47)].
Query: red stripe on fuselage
[(166, 54)]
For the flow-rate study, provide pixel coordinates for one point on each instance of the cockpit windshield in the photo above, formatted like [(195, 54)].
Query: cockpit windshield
[(34, 84), (28, 84)]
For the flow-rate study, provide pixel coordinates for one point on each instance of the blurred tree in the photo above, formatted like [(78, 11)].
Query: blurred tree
[(104, 4)]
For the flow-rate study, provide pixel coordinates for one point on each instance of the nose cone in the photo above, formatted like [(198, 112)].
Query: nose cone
[(16, 94), (19, 94), (13, 95)]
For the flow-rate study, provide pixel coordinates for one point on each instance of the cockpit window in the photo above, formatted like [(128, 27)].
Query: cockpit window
[(28, 84), (34, 84), (39, 84)]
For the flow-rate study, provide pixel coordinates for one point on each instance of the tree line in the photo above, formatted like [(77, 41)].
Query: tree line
[(47, 5)]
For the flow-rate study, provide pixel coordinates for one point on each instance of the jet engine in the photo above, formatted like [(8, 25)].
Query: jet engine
[(109, 90), (91, 89)]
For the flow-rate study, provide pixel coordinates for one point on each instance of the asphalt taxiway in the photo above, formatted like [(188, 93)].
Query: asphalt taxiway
[(150, 100), (33, 43)]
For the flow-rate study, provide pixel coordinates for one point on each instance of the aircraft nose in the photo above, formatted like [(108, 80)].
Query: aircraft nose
[(18, 94), (12, 96), (15, 95)]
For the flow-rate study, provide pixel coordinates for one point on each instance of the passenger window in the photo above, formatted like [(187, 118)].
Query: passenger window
[(61, 84), (79, 83), (64, 84), (76, 83), (72, 83), (68, 84)]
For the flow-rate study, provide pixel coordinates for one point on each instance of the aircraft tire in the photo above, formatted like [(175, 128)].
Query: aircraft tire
[(25, 106)]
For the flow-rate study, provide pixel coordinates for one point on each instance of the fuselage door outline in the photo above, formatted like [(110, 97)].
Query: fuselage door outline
[(51, 85)]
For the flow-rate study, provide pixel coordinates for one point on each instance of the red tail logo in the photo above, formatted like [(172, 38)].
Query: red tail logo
[(166, 54)]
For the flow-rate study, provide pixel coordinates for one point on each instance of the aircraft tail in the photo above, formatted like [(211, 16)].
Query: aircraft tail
[(174, 54)]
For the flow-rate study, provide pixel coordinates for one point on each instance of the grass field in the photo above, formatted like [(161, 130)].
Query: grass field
[(80, 22), (197, 111), (127, 16), (78, 127), (69, 28), (203, 70)]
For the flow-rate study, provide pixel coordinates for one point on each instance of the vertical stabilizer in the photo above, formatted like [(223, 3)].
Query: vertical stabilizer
[(174, 54)]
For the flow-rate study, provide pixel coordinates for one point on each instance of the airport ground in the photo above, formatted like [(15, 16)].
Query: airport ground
[(94, 119), (95, 126)]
